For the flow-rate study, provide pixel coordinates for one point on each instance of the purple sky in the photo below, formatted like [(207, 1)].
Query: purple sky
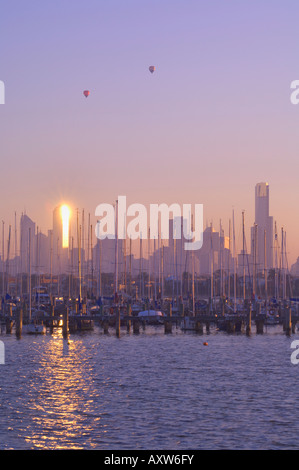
[(212, 121)]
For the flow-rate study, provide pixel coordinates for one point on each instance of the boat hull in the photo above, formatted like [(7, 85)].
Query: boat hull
[(35, 329)]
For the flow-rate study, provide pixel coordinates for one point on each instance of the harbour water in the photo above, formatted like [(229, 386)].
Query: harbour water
[(149, 391)]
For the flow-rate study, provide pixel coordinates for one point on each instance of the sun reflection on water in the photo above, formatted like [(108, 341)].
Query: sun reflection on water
[(62, 410)]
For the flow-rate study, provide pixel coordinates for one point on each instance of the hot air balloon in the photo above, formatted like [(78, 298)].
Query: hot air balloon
[(152, 68), (86, 93)]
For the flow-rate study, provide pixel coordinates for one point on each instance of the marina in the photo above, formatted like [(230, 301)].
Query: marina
[(74, 284), (114, 317), (149, 259)]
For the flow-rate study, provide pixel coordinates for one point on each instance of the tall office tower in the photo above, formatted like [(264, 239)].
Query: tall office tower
[(25, 224), (262, 232), (60, 240), (43, 252)]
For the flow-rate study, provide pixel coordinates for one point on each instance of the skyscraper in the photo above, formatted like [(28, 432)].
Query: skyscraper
[(60, 240), (262, 231), (25, 224)]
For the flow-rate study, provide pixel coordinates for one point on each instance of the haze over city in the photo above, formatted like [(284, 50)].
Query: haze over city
[(149, 352)]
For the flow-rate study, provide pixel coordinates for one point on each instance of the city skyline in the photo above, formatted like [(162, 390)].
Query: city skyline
[(57, 251), (149, 227)]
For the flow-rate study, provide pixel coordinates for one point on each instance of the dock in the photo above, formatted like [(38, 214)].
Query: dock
[(199, 323)]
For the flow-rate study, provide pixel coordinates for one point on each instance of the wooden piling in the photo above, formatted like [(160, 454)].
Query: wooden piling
[(293, 326), (106, 327), (52, 318), (65, 328), (9, 324), (168, 323), (259, 322), (230, 326), (129, 321), (248, 326), (182, 312), (239, 326), (167, 326), (288, 319), (117, 322), (19, 323), (136, 326), (198, 327)]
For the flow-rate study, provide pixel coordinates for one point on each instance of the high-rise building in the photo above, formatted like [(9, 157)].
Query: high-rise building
[(215, 253), (262, 231), (60, 240), (25, 224)]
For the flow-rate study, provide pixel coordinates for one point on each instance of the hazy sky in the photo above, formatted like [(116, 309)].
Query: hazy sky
[(213, 120)]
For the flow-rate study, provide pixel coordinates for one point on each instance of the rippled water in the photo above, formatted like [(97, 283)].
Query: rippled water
[(149, 391)]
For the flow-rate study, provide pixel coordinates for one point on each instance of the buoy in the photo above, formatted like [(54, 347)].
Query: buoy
[(205, 344)]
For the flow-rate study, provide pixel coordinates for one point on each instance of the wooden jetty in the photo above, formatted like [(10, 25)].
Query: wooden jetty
[(200, 322)]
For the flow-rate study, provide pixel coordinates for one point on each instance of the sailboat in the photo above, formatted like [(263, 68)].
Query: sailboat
[(35, 328), (153, 317)]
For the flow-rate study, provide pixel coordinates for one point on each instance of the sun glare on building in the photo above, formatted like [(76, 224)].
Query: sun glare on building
[(65, 215)]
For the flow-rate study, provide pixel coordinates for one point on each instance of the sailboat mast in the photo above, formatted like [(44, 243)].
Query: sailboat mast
[(283, 265), (82, 247), (265, 265), (181, 257), (174, 271), (72, 268), (91, 255), (155, 276), (254, 257), (149, 268), (228, 258), (162, 270), (3, 265), (130, 267), (212, 268), (193, 299), (79, 256), (159, 263), (37, 268), (243, 231), (125, 264), (88, 251), (29, 263), (16, 259), (140, 267), (7, 261), (51, 263), (235, 273), (276, 263), (116, 250), (220, 259)]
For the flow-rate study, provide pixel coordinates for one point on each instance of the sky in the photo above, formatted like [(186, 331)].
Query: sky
[(214, 119)]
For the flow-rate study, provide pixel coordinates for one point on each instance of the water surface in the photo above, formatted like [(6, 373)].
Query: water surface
[(149, 391)]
